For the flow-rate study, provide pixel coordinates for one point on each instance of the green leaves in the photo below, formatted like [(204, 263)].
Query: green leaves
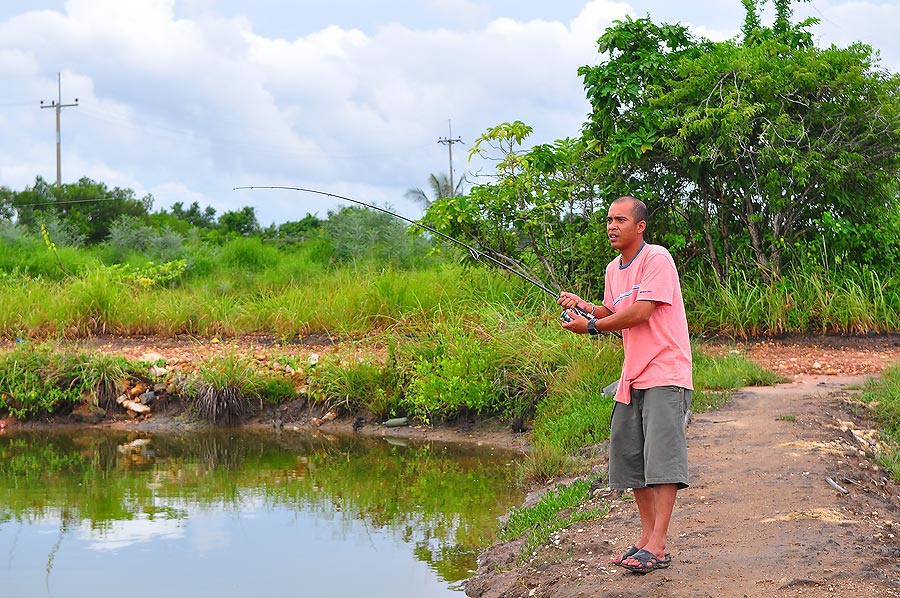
[(89, 206), (747, 141), (535, 211)]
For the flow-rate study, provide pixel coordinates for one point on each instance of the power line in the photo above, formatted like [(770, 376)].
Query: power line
[(63, 202), (57, 104), (235, 145)]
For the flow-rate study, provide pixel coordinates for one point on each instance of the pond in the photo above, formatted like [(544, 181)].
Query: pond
[(101, 514)]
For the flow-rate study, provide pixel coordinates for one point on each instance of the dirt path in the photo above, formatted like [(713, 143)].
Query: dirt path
[(760, 519)]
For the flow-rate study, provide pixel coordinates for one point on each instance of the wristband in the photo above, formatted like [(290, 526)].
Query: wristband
[(592, 327)]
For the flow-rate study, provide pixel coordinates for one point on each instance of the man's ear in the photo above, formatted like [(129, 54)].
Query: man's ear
[(642, 226)]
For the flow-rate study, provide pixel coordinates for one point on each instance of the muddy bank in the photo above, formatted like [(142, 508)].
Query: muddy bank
[(295, 416)]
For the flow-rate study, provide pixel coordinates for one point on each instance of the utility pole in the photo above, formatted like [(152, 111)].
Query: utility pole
[(57, 103), (449, 141)]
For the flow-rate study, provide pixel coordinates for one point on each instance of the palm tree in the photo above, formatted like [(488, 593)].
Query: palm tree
[(440, 188)]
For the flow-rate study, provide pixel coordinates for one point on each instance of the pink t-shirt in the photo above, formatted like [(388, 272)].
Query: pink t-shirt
[(658, 351)]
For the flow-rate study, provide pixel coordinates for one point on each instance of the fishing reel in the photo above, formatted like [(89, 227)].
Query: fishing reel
[(566, 318)]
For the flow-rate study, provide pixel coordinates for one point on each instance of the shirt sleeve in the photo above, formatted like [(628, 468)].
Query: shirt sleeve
[(659, 279)]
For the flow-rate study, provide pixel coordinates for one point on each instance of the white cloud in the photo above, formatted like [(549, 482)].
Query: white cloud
[(121, 534), (185, 103)]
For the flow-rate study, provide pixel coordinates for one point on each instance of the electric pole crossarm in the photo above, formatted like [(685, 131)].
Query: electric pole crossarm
[(449, 141), (57, 105)]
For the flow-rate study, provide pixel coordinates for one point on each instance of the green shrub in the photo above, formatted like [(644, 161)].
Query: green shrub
[(42, 379), (356, 385), (459, 376), (248, 254), (223, 387), (277, 389), (883, 396)]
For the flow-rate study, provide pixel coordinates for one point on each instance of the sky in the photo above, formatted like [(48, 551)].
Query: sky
[(187, 99)]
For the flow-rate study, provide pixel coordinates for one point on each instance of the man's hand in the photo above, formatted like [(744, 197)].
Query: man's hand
[(570, 300), (577, 323)]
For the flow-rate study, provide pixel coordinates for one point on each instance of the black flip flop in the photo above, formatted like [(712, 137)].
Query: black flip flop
[(628, 553), (648, 562)]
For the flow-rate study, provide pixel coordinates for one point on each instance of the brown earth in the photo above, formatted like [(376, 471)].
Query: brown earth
[(760, 519)]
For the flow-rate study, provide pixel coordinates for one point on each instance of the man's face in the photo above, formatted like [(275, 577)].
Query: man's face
[(622, 229)]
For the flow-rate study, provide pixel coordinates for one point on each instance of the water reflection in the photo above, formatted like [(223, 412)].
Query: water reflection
[(401, 518)]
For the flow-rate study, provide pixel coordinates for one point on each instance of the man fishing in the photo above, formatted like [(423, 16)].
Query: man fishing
[(648, 449)]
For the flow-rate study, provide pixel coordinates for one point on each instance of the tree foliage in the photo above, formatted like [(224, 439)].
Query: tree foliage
[(194, 216), (240, 222), (536, 214), (358, 234), (749, 153), (752, 143), (87, 207), (440, 187)]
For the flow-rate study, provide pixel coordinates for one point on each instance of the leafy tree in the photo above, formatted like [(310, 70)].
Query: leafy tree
[(6, 203), (357, 233), (750, 142), (193, 215), (537, 215), (129, 235), (88, 206), (294, 231), (241, 222), (440, 188)]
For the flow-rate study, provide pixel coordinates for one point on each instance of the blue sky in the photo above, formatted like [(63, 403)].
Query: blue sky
[(186, 99)]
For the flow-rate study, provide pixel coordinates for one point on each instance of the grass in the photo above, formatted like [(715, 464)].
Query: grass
[(851, 300), (883, 397), (716, 377), (463, 340), (101, 300), (557, 509), (38, 380)]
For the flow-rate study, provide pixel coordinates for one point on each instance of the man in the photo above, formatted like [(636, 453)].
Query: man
[(648, 450)]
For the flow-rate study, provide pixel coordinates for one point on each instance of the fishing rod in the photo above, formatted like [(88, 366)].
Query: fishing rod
[(475, 253)]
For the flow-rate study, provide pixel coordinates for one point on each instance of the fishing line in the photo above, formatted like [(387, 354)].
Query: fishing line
[(475, 253)]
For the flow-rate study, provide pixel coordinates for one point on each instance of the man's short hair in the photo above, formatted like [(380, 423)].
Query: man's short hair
[(638, 208)]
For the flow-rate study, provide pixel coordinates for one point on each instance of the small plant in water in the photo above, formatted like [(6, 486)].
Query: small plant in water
[(223, 389), (104, 376)]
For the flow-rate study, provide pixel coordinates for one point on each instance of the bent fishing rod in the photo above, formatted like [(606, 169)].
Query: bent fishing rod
[(475, 253)]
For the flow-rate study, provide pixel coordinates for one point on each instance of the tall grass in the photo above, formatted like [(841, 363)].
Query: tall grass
[(883, 396), (852, 300), (343, 301)]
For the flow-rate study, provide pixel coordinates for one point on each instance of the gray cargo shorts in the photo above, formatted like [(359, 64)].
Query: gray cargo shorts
[(647, 443)]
